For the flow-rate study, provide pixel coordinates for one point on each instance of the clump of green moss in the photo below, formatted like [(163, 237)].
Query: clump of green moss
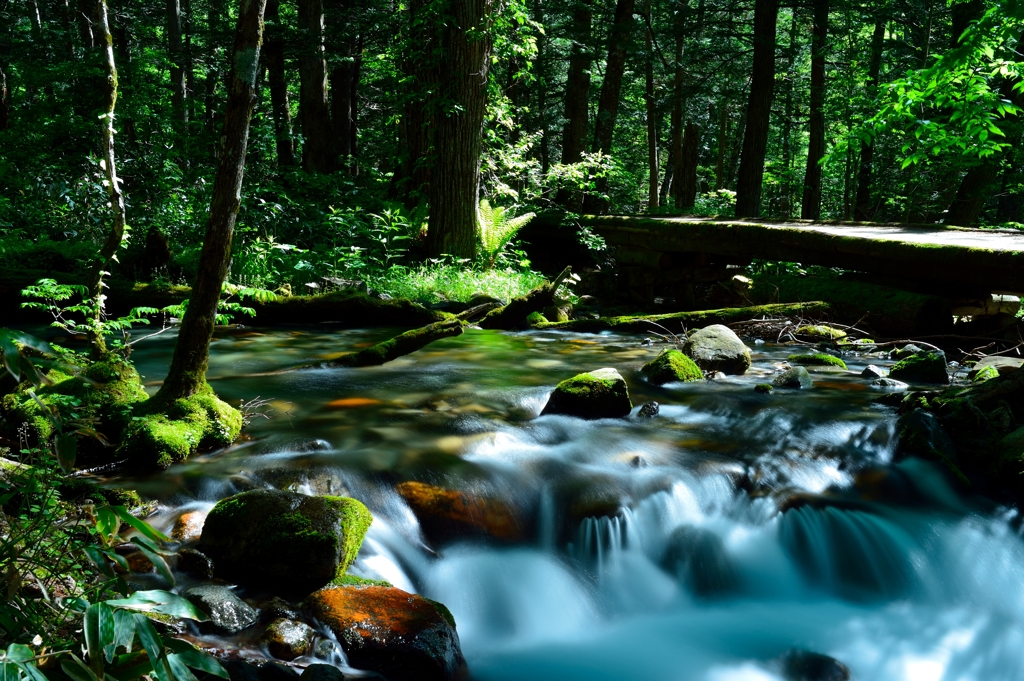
[(985, 374), (821, 331), (356, 520), (921, 367), (593, 395), (817, 359), (163, 433), (764, 388), (443, 611), (671, 365), (343, 579), (536, 318)]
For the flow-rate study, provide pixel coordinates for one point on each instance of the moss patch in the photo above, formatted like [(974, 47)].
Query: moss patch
[(764, 388), (821, 331), (343, 579), (921, 367), (817, 359), (594, 395), (671, 365), (163, 433), (985, 374)]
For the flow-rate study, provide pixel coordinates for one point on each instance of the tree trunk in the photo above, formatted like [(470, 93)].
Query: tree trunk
[(317, 146), (273, 52), (187, 374), (810, 208), (418, 69), (543, 80), (785, 208), (723, 131), (652, 115), (762, 85), (458, 114), (577, 95), (116, 234), (174, 50), (864, 208), (85, 27), (5, 103), (611, 87), (686, 179)]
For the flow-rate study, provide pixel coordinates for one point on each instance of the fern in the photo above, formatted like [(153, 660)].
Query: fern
[(498, 226)]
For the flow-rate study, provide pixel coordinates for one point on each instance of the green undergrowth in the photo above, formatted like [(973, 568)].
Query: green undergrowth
[(439, 282)]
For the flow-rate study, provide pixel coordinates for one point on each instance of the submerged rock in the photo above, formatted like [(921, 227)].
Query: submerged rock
[(447, 514), (649, 410), (322, 672), (282, 541), (717, 348), (764, 388), (921, 367), (699, 559), (920, 433), (287, 639), (594, 395), (803, 665), (797, 377), (403, 636), (189, 526), (885, 383), (671, 365), (871, 371), (227, 612)]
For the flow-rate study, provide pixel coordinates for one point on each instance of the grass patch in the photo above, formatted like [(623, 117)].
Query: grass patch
[(439, 282)]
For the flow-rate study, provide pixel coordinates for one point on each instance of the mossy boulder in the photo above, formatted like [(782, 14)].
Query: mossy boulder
[(796, 377), (920, 433), (107, 390), (166, 432), (921, 367), (285, 542), (717, 348), (817, 359), (671, 365), (764, 388), (402, 636), (821, 332), (594, 395)]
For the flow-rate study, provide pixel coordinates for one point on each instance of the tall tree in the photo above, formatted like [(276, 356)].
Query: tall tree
[(577, 92), (343, 24), (273, 54), (465, 42), (187, 374), (652, 112), (317, 145), (759, 107), (611, 88), (5, 102), (864, 207), (174, 48), (116, 234), (810, 208), (686, 172)]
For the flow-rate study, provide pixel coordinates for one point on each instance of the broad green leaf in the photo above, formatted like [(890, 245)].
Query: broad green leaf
[(196, 659), (124, 630), (141, 526), (154, 647), (180, 669), (77, 670), (99, 559), (159, 601)]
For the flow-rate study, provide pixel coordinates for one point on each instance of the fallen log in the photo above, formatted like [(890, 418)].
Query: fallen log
[(395, 347), (514, 316), (677, 321)]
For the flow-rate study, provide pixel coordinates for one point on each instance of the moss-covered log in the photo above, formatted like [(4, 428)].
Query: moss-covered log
[(515, 315), (393, 348), (676, 321), (888, 311)]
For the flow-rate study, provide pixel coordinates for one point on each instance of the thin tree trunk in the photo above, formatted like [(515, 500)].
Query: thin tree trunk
[(273, 51), (187, 374), (652, 115), (317, 146), (174, 49), (759, 108), (723, 131), (5, 103), (577, 95), (864, 208), (810, 207), (419, 71), (611, 87), (686, 178), (542, 93), (116, 234), (85, 28), (462, 75), (788, 115)]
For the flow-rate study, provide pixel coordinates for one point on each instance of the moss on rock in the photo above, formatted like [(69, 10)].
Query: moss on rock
[(286, 542), (594, 395), (764, 388), (817, 359), (671, 365), (821, 332), (163, 433), (718, 348), (921, 367)]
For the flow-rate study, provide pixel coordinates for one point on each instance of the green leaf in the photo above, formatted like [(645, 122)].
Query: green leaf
[(159, 601), (124, 630), (99, 559), (98, 629), (77, 670), (180, 669), (196, 659), (141, 526), (66, 446), (154, 647)]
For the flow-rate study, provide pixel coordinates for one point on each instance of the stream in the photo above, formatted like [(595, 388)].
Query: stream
[(640, 548)]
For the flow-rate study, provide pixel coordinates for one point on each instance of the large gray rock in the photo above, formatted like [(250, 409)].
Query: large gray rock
[(227, 612), (797, 377), (283, 542), (717, 348), (597, 394)]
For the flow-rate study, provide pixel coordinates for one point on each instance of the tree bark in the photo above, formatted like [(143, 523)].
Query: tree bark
[(113, 241), (85, 27), (187, 374), (762, 88), (577, 95), (174, 49), (419, 71), (686, 179), (864, 207), (317, 146), (652, 114), (465, 41), (5, 103), (273, 54), (723, 131), (810, 207), (611, 87)]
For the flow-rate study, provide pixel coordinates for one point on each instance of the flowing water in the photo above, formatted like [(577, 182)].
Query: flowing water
[(652, 549)]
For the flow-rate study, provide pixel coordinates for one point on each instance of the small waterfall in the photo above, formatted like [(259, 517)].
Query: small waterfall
[(601, 542)]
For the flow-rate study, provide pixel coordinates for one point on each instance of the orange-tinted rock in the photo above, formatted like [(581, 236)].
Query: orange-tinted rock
[(446, 514), (188, 526), (352, 402), (400, 635)]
